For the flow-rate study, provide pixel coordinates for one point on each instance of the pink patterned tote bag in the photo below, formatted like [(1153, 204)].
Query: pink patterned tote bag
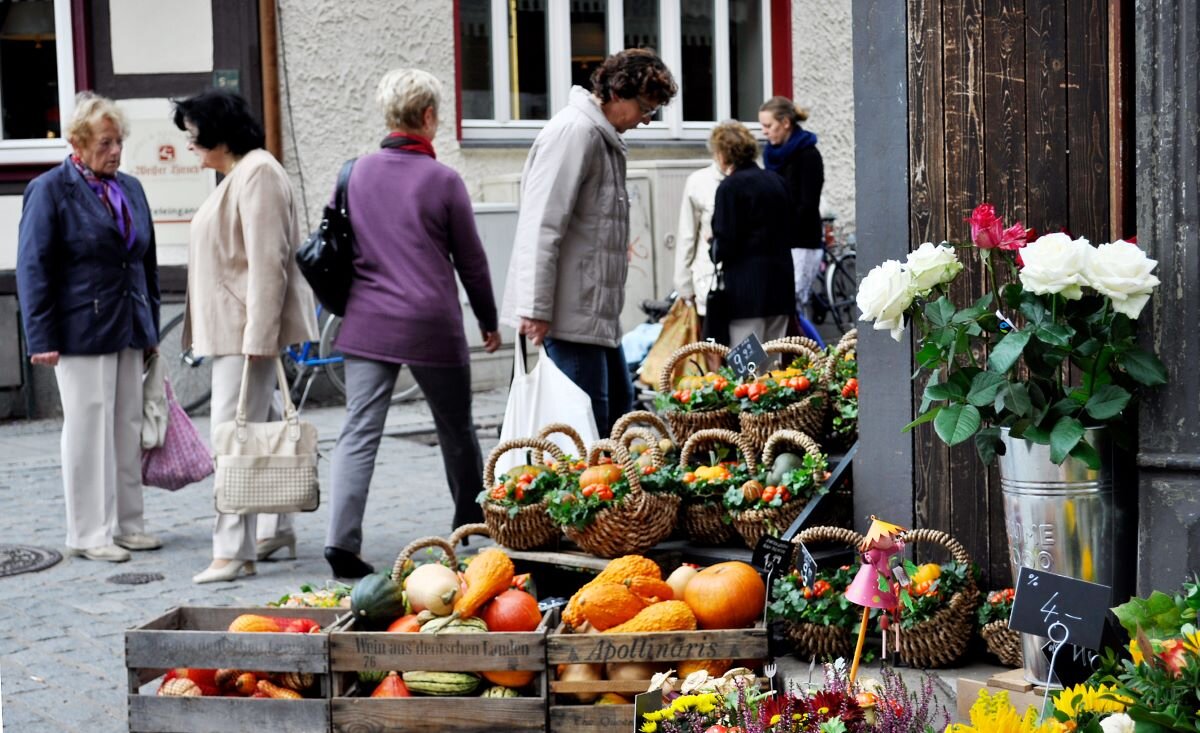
[(183, 458)]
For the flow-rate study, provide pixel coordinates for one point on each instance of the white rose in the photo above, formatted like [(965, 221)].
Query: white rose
[(1121, 271), (1055, 264), (1117, 723), (884, 295), (932, 265)]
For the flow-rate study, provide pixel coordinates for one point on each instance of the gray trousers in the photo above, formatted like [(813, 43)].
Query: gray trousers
[(101, 445), (369, 385)]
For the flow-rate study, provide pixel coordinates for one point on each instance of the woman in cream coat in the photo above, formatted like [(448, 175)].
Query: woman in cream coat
[(245, 295)]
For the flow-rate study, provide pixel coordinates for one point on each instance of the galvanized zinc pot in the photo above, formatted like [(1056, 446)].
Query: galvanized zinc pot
[(1064, 519)]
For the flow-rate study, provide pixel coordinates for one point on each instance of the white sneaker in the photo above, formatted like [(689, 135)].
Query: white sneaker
[(107, 553), (137, 541)]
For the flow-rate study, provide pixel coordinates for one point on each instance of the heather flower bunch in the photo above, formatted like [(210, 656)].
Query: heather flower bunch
[(1007, 360)]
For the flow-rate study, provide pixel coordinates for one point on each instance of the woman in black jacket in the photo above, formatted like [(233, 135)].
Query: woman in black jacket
[(753, 227), (792, 153)]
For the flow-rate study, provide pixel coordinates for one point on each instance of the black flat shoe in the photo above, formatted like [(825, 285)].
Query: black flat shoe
[(346, 564)]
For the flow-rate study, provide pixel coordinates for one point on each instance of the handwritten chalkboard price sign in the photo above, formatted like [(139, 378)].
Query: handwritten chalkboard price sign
[(748, 357), (1066, 610)]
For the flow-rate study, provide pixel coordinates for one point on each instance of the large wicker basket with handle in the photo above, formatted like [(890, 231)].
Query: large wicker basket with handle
[(530, 527), (706, 521), (1003, 642), (941, 640), (683, 424), (752, 524), (642, 419), (818, 641), (807, 415), (635, 523)]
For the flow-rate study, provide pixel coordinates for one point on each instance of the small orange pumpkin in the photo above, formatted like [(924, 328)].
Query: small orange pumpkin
[(729, 595), (509, 678), (606, 474)]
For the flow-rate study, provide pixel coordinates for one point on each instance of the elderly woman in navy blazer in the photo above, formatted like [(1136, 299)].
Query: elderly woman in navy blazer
[(87, 280)]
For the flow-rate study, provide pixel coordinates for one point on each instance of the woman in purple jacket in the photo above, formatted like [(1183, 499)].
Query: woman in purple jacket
[(414, 228)]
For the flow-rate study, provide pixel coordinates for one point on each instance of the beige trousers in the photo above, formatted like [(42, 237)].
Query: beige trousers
[(234, 535), (101, 445), (768, 328)]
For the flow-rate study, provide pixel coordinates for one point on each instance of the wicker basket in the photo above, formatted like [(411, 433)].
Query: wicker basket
[(942, 640), (807, 415), (644, 420), (705, 521), (468, 530), (633, 525), (650, 438), (421, 543), (839, 443), (684, 424), (531, 527), (754, 523), (1003, 642), (816, 641), (560, 428)]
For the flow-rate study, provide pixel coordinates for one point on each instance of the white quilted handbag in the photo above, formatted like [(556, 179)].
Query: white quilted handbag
[(266, 468)]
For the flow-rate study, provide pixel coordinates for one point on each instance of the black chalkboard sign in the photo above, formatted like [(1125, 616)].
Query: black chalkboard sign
[(646, 702), (1075, 664), (772, 555), (807, 566), (748, 357), (1065, 610)]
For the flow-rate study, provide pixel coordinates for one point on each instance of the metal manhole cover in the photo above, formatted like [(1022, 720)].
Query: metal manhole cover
[(135, 578), (16, 559)]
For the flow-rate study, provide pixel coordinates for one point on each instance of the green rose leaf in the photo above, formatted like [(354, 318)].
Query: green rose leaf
[(1017, 400), (1064, 436), (947, 391), (1107, 402), (956, 423), (987, 441), (1144, 368), (984, 387), (1037, 435), (1008, 351), (1055, 334), (922, 419), (940, 311), (1083, 451)]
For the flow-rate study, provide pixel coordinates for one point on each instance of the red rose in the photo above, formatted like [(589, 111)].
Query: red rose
[(987, 230), (1014, 237)]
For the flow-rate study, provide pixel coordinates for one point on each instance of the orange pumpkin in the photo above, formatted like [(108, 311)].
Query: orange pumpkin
[(405, 623), (728, 595), (512, 610), (509, 678), (604, 474)]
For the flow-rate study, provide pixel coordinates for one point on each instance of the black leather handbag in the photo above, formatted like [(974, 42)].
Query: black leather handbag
[(717, 308), (326, 259)]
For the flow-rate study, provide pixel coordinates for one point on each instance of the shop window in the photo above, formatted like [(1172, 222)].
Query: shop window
[(37, 85), (519, 59)]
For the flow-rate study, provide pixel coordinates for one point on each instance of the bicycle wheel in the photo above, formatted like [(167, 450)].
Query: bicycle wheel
[(842, 286), (190, 376), (406, 386)]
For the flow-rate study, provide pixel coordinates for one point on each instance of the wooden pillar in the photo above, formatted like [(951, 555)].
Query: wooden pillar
[(268, 34), (1167, 105)]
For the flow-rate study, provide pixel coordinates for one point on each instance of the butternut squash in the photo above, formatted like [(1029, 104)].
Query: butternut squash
[(605, 605), (617, 571), (488, 575), (665, 616)]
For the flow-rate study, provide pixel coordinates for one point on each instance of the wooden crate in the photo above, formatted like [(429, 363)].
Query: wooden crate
[(351, 651), (1021, 693), (658, 646), (193, 636)]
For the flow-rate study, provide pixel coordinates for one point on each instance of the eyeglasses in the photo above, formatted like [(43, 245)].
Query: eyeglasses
[(648, 110)]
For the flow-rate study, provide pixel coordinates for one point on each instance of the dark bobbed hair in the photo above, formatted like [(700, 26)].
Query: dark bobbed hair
[(220, 116), (734, 143), (634, 72)]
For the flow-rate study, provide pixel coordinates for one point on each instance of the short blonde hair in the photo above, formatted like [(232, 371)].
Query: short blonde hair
[(90, 108), (734, 143), (405, 94)]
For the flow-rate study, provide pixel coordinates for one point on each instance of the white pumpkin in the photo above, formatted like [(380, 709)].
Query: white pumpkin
[(432, 587)]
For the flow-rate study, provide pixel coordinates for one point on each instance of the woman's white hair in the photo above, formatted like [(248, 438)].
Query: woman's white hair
[(90, 108), (405, 94)]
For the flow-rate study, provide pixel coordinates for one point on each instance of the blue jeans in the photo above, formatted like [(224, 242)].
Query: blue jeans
[(601, 372)]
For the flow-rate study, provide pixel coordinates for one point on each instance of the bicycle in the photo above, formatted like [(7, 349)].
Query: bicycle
[(835, 292), (191, 375)]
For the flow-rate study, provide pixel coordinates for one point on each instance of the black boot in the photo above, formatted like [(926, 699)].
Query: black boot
[(346, 564)]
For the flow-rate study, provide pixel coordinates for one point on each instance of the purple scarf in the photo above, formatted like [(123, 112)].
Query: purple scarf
[(113, 197)]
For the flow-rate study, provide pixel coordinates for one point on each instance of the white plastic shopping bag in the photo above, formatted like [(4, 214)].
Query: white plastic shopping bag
[(539, 397)]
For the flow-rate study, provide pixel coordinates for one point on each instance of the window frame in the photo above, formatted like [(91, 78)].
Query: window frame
[(35, 151), (672, 127)]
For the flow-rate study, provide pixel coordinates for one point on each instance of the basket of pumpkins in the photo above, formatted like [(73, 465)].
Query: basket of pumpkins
[(730, 464), (939, 605), (514, 504), (609, 513), (792, 481), (695, 402), (791, 398), (575, 461)]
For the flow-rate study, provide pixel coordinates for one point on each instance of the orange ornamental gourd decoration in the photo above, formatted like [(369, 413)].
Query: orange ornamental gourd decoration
[(729, 595)]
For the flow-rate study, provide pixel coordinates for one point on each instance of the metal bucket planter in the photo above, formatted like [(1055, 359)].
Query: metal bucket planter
[(1063, 519)]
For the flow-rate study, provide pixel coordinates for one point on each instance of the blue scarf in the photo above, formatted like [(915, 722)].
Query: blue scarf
[(774, 156)]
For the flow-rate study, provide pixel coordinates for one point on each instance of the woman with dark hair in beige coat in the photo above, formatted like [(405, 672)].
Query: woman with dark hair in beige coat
[(245, 295)]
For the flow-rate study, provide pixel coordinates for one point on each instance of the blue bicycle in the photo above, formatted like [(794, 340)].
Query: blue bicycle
[(191, 375)]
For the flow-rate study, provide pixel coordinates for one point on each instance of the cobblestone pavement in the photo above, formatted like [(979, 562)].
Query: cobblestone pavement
[(62, 653)]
